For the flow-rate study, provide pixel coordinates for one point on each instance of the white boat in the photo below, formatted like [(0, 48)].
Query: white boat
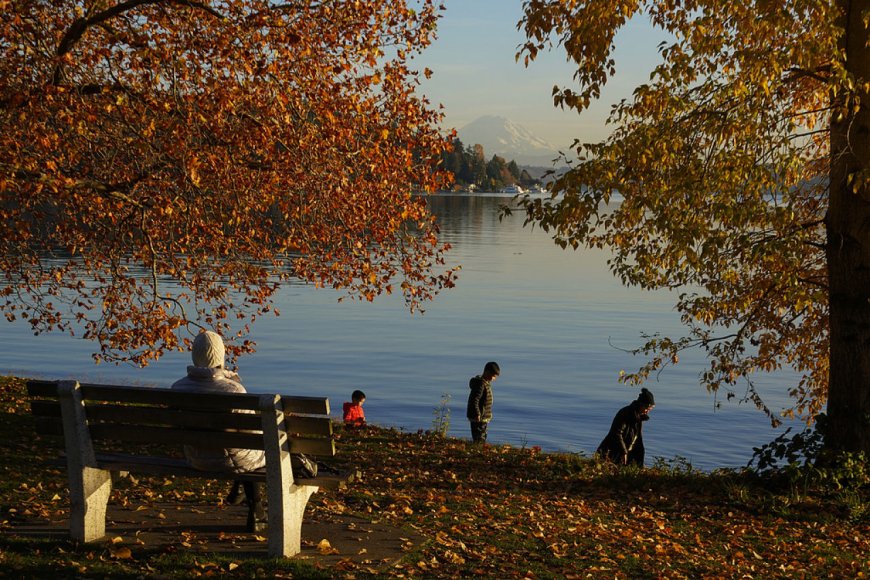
[(513, 189)]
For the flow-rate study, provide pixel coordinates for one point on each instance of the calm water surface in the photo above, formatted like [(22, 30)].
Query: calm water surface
[(554, 320)]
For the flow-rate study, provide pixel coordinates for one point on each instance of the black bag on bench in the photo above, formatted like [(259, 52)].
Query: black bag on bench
[(303, 467)]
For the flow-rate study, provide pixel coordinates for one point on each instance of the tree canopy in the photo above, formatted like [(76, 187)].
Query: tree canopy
[(737, 176), (168, 163)]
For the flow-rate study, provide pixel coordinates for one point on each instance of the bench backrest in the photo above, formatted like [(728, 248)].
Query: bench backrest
[(124, 414)]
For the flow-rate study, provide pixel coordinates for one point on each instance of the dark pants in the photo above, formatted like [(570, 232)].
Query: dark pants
[(254, 499), (254, 496), (256, 511), (478, 432)]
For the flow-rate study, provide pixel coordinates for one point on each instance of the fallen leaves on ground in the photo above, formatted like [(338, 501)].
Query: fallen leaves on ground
[(495, 511), (521, 513)]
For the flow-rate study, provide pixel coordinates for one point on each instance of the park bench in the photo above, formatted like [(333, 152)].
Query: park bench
[(100, 424)]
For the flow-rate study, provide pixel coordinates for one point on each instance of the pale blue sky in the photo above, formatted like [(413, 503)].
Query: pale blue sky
[(475, 73)]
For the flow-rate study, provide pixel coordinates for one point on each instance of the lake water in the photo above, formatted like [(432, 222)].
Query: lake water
[(554, 320)]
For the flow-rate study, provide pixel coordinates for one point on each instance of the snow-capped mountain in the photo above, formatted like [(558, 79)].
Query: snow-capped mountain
[(502, 137)]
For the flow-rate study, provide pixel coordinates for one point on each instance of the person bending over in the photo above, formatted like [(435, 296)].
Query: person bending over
[(623, 444)]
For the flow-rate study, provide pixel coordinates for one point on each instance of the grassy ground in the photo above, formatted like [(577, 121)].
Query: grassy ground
[(495, 511)]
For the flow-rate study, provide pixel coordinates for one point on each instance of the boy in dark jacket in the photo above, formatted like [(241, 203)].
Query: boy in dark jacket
[(624, 442), (480, 401)]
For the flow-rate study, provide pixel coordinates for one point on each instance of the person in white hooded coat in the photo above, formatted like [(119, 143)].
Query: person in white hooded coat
[(207, 373)]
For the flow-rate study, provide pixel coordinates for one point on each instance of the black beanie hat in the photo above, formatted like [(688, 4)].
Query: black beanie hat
[(646, 398)]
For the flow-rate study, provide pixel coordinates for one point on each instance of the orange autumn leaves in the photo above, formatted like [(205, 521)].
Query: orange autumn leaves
[(225, 146)]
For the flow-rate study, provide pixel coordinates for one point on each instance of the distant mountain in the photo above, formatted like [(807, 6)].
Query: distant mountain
[(502, 137)]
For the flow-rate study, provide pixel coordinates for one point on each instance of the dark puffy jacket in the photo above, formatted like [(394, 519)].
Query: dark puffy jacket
[(625, 436), (479, 400)]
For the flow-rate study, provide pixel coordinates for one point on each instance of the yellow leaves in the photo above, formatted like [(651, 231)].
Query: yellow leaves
[(118, 551), (325, 548), (193, 165), (559, 549)]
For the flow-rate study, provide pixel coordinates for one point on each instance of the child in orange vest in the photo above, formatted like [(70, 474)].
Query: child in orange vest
[(354, 416)]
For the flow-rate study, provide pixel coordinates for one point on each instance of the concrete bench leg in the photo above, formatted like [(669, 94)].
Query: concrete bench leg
[(287, 500), (89, 487), (89, 494), (285, 523)]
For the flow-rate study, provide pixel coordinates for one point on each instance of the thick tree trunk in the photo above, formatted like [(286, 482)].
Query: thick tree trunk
[(848, 252)]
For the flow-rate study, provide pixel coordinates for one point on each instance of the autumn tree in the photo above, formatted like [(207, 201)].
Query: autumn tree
[(742, 168), (496, 172), (167, 164)]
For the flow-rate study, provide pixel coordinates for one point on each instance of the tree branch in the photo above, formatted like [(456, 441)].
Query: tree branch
[(78, 28)]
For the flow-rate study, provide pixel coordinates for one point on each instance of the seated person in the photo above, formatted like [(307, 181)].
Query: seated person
[(354, 416), (208, 374)]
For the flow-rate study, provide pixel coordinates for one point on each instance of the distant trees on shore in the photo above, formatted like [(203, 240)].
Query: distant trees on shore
[(469, 167)]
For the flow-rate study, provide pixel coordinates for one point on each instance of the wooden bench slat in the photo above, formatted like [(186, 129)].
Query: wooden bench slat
[(37, 388), (179, 468), (305, 405), (49, 426), (163, 396), (168, 397), (128, 414), (167, 466), (151, 396), (318, 447), (43, 408), (114, 432), (296, 425)]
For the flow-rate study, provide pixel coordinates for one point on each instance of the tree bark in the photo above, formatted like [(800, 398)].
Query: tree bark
[(848, 248)]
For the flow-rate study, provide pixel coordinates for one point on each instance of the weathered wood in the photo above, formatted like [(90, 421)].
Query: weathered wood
[(175, 398), (37, 388), (305, 405), (151, 465), (195, 419), (321, 447), (118, 433), (297, 425), (42, 408)]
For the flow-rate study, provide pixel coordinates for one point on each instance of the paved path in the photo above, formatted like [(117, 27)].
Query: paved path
[(170, 526)]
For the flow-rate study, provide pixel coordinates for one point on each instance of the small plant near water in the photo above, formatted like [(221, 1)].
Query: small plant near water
[(441, 416), (678, 465), (803, 459), (857, 508)]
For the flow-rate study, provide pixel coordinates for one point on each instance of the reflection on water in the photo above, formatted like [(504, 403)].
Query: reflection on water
[(555, 320)]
